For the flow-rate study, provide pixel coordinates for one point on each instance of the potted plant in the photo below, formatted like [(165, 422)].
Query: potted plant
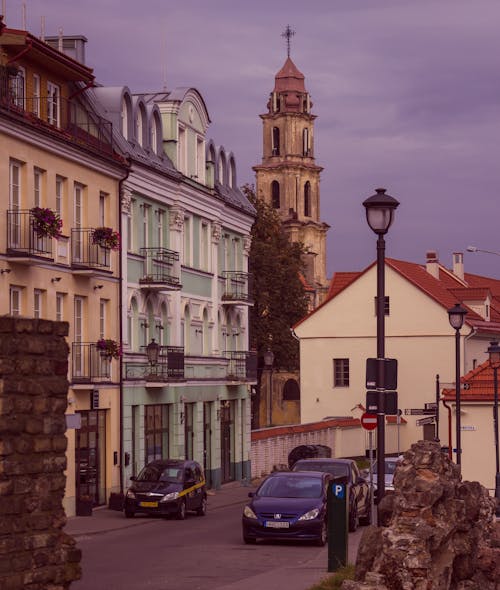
[(106, 237), (46, 223), (109, 348), (83, 505)]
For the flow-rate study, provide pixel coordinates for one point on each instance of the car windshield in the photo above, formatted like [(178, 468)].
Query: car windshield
[(291, 487), (156, 473), (336, 469)]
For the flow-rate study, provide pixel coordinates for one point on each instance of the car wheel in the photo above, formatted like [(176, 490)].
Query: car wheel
[(323, 535), (181, 511), (353, 519), (249, 540), (202, 510), (129, 513)]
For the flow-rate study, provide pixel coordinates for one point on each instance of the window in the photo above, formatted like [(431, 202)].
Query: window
[(145, 225), (37, 186), (78, 319), (154, 135), (59, 307), (160, 227), (341, 372), (36, 95), (200, 160), (102, 317), (156, 419), (305, 142), (59, 195), (204, 247), (140, 126), (187, 241), (37, 303), (77, 239), (181, 150), (125, 117), (291, 390), (17, 87), (102, 209), (386, 305), (15, 203), (275, 142), (53, 104), (275, 194), (15, 301), (307, 199)]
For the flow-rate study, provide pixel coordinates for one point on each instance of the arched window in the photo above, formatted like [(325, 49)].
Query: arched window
[(205, 334), (187, 330), (132, 324), (125, 116), (275, 194), (163, 327), (307, 199), (140, 126), (305, 142), (291, 390), (276, 142)]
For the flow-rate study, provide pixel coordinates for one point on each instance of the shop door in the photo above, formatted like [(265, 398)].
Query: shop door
[(226, 438), (90, 464)]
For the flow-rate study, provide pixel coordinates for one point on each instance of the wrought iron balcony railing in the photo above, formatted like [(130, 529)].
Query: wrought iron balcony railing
[(169, 367), (161, 269), (242, 365), (85, 254), (22, 237), (236, 287), (57, 113), (88, 363)]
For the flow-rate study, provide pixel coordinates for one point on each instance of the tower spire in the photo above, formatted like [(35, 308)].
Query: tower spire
[(288, 34)]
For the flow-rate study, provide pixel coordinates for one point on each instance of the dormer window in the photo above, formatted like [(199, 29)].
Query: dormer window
[(125, 115), (487, 312), (141, 126)]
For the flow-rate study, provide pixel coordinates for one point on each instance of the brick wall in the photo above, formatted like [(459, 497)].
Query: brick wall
[(35, 553)]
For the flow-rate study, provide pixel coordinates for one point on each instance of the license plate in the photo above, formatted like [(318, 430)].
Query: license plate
[(148, 504), (274, 524)]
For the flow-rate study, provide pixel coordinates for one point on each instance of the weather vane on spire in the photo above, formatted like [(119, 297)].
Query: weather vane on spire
[(288, 34)]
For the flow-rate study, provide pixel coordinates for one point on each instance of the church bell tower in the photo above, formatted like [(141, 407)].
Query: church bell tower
[(288, 178)]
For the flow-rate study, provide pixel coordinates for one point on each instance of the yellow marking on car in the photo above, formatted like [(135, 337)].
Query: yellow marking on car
[(192, 488)]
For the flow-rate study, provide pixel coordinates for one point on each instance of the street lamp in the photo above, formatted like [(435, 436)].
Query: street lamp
[(494, 353), (474, 249), (456, 316), (268, 363), (152, 352), (380, 210)]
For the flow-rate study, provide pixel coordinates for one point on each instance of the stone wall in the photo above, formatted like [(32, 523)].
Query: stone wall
[(35, 553)]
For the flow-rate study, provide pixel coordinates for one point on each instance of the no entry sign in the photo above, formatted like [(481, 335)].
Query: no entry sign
[(369, 421)]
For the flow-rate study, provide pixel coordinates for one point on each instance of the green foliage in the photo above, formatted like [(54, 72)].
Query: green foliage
[(334, 582), (277, 291)]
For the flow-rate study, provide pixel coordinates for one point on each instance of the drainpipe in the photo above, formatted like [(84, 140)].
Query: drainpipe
[(120, 309), (450, 444)]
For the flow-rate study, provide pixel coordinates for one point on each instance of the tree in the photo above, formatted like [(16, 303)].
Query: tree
[(278, 293)]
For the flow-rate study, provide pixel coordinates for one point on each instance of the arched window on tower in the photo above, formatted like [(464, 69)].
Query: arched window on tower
[(275, 194), (307, 199), (276, 142), (305, 142)]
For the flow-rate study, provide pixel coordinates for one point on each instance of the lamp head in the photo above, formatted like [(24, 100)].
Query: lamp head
[(494, 353), (152, 351), (380, 211), (456, 315), (268, 358)]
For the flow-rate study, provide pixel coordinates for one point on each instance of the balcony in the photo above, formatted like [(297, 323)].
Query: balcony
[(66, 118), (236, 289), (87, 257), (242, 366), (161, 270), (23, 242), (88, 364), (169, 367)]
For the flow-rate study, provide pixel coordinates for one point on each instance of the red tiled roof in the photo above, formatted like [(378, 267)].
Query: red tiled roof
[(340, 281), (480, 382)]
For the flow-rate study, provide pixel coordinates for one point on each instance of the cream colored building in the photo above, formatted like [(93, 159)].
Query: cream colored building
[(338, 337), (57, 154)]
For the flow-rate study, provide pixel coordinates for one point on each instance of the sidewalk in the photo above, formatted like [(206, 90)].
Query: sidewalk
[(297, 577)]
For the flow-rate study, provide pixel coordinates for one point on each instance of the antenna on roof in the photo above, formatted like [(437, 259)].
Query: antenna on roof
[(60, 41), (165, 63), (288, 34), (42, 28), (4, 8), (23, 8)]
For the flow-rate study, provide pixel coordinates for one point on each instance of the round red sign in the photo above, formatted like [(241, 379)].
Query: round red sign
[(369, 421)]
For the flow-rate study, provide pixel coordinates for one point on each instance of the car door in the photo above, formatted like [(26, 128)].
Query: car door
[(189, 482), (361, 489)]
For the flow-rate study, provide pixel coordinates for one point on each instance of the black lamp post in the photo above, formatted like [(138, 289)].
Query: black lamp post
[(268, 363), (494, 353), (379, 215), (152, 352), (456, 316)]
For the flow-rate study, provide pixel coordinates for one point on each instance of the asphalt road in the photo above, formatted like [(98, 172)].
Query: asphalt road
[(200, 553)]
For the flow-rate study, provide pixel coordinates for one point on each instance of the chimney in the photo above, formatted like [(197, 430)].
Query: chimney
[(432, 263), (458, 265)]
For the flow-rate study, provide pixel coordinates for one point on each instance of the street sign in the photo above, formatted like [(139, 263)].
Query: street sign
[(390, 402), (430, 406), (428, 420), (390, 373), (419, 412), (369, 421)]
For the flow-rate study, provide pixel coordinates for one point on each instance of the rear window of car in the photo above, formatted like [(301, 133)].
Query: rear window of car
[(336, 469), (291, 487)]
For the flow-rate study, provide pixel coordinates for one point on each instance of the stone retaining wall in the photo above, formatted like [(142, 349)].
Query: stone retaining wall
[(35, 553)]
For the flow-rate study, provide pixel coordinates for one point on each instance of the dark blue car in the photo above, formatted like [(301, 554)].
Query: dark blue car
[(288, 505)]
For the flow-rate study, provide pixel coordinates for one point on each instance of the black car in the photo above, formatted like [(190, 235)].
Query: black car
[(288, 505), (167, 487), (347, 471)]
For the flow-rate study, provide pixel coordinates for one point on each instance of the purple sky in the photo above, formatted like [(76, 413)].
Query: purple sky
[(407, 96)]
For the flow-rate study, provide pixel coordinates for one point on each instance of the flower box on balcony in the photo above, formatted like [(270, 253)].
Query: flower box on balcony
[(106, 237), (46, 223), (109, 348)]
